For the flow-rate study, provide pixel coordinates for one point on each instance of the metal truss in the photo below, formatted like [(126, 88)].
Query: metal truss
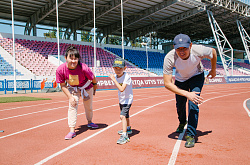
[(233, 5), (223, 45), (245, 38)]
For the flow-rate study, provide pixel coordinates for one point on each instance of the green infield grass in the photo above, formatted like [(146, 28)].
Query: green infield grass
[(20, 99)]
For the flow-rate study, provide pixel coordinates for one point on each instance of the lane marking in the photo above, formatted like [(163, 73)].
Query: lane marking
[(141, 94), (177, 147), (93, 135), (46, 104), (50, 123), (64, 119), (245, 106), (67, 106)]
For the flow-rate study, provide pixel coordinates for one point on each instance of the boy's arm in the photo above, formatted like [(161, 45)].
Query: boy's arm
[(122, 87), (212, 72)]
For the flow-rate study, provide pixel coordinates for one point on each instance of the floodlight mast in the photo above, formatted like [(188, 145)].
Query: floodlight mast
[(146, 45), (13, 37), (122, 30), (57, 34), (94, 43)]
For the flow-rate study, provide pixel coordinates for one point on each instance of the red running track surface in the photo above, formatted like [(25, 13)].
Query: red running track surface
[(34, 131)]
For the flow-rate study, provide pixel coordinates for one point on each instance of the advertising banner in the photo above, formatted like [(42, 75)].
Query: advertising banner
[(215, 80), (107, 83), (238, 79)]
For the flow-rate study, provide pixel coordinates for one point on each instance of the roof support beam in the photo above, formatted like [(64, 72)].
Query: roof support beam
[(233, 5), (48, 9), (160, 25), (145, 14), (101, 11), (42, 13)]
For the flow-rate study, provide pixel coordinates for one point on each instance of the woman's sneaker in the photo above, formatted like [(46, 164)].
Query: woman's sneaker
[(92, 125), (70, 135), (129, 131), (123, 139)]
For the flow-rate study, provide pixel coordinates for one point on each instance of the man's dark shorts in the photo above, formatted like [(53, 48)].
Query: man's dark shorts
[(125, 109)]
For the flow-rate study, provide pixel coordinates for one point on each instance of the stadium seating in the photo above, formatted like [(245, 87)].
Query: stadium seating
[(139, 58), (33, 55), (219, 68), (7, 69)]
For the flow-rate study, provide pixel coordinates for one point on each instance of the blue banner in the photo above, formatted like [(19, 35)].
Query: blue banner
[(238, 79)]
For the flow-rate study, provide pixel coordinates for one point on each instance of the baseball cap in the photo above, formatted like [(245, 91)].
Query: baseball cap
[(119, 62), (182, 40)]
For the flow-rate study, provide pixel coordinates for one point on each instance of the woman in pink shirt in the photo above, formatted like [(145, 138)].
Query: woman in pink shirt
[(76, 79)]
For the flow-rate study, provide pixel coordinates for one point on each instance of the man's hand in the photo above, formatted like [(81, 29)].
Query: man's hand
[(211, 74), (196, 99)]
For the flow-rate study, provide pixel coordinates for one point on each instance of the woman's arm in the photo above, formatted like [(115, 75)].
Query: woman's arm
[(68, 94)]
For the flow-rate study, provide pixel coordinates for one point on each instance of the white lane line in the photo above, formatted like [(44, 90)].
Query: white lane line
[(47, 104), (176, 147), (67, 106), (30, 106), (245, 106), (32, 113), (50, 123), (93, 135), (62, 119), (178, 142)]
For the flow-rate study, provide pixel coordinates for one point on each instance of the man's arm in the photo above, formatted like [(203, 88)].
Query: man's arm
[(212, 72), (192, 96)]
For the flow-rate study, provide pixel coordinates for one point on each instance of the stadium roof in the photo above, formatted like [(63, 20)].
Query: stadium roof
[(165, 17)]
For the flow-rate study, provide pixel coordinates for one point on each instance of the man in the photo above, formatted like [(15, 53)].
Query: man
[(189, 79)]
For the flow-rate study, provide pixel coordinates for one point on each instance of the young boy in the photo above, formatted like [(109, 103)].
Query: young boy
[(125, 93)]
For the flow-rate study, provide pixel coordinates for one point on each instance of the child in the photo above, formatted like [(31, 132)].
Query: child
[(125, 93), (78, 77)]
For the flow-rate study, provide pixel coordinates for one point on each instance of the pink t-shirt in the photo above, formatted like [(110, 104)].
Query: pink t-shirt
[(76, 77)]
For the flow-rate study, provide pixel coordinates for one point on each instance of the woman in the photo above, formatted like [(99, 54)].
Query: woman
[(76, 79)]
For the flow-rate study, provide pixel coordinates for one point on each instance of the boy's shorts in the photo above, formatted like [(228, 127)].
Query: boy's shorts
[(125, 109)]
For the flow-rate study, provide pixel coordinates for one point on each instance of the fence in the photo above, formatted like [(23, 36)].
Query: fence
[(107, 83), (8, 85)]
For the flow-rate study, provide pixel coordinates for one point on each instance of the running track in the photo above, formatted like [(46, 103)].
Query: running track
[(34, 131)]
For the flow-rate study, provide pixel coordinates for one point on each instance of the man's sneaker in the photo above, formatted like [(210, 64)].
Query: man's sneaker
[(70, 135), (123, 139), (92, 125), (181, 128), (190, 142), (129, 131)]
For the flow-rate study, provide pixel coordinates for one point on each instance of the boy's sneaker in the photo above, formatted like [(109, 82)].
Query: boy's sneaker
[(190, 142), (70, 135), (129, 131), (123, 139), (181, 128), (92, 125)]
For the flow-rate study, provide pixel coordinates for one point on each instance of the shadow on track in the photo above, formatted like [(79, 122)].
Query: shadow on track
[(84, 128), (175, 135)]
